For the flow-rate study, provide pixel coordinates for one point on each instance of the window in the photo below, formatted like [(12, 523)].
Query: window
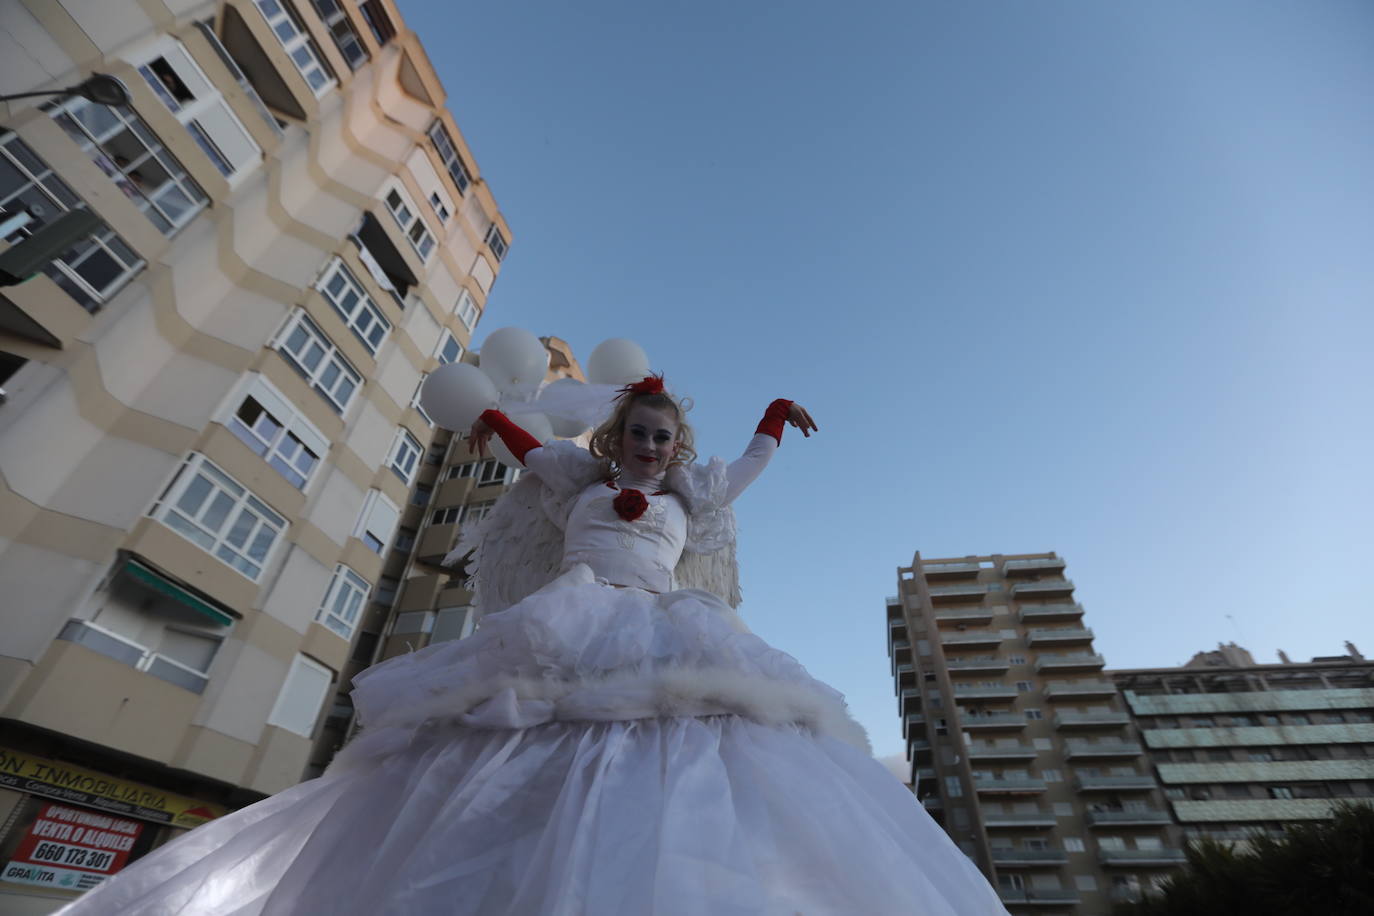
[(436, 452), (453, 623), (342, 602), (421, 494), (1051, 775), (128, 152), (1073, 844), (475, 512), (1280, 792), (467, 310), (450, 350), (363, 317), (1298, 718), (1034, 714), (274, 429), (183, 87), (377, 521), (496, 242), (1023, 686), (405, 539), (443, 145), (377, 20), (385, 593), (415, 402), (214, 511), (1234, 790), (298, 704), (446, 516), (1016, 660), (305, 347), (342, 31), (410, 222), (95, 268), (405, 456), (487, 473), (297, 44), (440, 210)]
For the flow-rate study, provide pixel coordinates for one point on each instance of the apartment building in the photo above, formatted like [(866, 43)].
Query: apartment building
[(418, 601), (1241, 747), (208, 430), (1019, 746)]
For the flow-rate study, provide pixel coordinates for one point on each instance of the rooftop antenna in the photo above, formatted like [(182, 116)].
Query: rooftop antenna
[(1237, 626)]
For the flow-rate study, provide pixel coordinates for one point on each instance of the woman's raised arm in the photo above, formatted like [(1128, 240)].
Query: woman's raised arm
[(745, 469)]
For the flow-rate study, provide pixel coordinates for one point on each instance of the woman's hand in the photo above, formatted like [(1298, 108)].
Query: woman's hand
[(798, 417), (479, 436)]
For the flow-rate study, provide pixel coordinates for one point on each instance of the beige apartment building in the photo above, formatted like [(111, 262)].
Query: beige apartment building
[(1019, 746), (208, 430), (417, 600), (1241, 747)]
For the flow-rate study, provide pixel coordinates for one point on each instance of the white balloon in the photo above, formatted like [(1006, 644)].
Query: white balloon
[(557, 393), (454, 395), (536, 424), (617, 362), (514, 359)]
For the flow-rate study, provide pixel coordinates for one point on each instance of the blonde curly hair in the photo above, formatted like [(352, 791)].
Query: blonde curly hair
[(608, 439)]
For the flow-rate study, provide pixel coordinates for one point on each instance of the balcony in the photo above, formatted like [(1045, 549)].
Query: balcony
[(1085, 661), (913, 724), (1062, 636), (949, 570), (981, 692), (917, 746), (1167, 857), (973, 616), (1007, 785), (951, 594), (1029, 857), (1025, 819), (908, 700), (1067, 720), (435, 542), (1045, 588), (1141, 782), (995, 721), (984, 752), (971, 639), (906, 673), (1033, 565), (1127, 817), (1056, 896), (1101, 749), (983, 664), (1046, 613), (1079, 690)]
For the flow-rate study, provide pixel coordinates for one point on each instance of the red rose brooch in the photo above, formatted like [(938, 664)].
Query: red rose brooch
[(630, 504)]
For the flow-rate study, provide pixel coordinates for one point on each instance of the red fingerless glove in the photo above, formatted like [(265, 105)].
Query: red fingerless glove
[(774, 418), (517, 440)]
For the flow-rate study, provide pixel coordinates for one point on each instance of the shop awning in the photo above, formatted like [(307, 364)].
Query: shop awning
[(160, 583)]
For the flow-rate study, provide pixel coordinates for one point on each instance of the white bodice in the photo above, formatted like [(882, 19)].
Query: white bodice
[(641, 553)]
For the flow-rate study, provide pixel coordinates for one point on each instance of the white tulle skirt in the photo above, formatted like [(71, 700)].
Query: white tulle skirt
[(590, 751)]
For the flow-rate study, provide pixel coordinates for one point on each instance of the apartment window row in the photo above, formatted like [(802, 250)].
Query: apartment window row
[(412, 226), (374, 14), (183, 87), (127, 151), (469, 514), (268, 423), (363, 316), (297, 44), (486, 473), (341, 29), (91, 271), (221, 516), (315, 357), (448, 154)]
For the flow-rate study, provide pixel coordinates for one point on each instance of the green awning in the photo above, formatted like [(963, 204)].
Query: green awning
[(160, 583)]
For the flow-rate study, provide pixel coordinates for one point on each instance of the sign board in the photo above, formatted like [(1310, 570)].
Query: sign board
[(71, 848)]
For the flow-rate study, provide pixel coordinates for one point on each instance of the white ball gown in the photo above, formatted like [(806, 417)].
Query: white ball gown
[(590, 751)]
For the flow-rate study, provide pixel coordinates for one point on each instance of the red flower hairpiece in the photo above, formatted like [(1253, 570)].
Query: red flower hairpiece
[(650, 384)]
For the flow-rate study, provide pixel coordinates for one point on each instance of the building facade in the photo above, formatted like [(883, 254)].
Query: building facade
[(209, 434), (1019, 746), (1241, 747)]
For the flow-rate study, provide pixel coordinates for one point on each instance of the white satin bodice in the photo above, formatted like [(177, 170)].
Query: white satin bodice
[(641, 553)]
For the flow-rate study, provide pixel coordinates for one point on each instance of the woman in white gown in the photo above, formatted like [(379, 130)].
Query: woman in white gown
[(610, 741)]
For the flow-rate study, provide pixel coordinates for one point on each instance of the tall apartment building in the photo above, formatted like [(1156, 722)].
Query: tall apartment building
[(418, 601), (208, 433), (1019, 747), (1242, 747)]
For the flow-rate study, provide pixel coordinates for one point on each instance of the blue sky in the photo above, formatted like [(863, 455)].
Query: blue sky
[(1086, 277)]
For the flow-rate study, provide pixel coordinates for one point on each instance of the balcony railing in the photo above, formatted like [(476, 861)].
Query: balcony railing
[(1064, 690), (969, 590), (138, 657), (1075, 662), (964, 615), (1090, 719), (1011, 567), (995, 720), (942, 570), (1043, 587), (959, 638), (1000, 751), (1141, 782), (1034, 613), (999, 691), (1024, 819), (984, 663), (1008, 785), (1029, 856), (1074, 749), (1166, 857), (1127, 817), (1038, 896), (1062, 636)]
